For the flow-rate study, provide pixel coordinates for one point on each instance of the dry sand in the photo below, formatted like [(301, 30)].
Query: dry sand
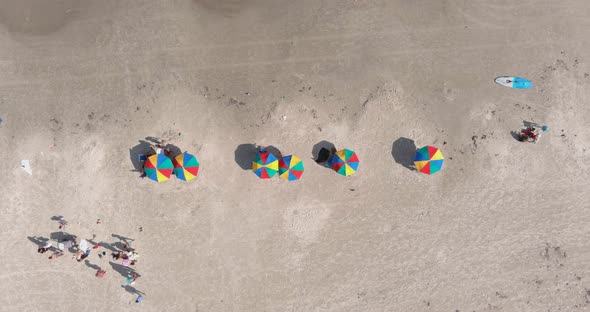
[(503, 227)]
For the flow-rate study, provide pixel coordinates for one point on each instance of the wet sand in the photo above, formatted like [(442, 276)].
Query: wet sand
[(503, 226)]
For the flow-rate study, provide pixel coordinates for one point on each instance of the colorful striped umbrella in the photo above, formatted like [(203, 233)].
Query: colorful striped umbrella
[(265, 165), (345, 162), (186, 166), (290, 168), (158, 167), (428, 159)]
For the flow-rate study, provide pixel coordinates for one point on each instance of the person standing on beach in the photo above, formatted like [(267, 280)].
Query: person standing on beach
[(62, 223), (79, 254), (132, 278), (82, 254)]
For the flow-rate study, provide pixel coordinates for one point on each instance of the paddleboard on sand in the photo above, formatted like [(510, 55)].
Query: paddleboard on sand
[(514, 82)]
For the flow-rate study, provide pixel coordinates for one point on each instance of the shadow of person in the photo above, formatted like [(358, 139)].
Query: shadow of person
[(143, 148), (244, 154), (90, 265), (39, 241), (153, 140), (126, 240), (120, 246), (130, 289), (124, 243), (106, 245), (57, 218), (121, 269), (403, 151)]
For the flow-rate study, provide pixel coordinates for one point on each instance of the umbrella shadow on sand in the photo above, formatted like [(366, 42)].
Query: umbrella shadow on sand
[(143, 148), (315, 152), (275, 151), (174, 150), (515, 135), (403, 151), (60, 236), (245, 153)]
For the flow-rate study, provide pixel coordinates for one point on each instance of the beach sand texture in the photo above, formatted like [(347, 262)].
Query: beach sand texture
[(503, 226)]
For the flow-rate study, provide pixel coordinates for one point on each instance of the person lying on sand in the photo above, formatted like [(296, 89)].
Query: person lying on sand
[(44, 248), (56, 254)]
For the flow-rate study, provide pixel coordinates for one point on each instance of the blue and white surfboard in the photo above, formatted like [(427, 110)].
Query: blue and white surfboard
[(514, 82)]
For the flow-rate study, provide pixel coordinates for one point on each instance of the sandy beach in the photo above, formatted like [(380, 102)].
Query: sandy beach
[(502, 227)]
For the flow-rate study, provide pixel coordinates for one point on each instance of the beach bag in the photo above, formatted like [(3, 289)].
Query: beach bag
[(100, 273)]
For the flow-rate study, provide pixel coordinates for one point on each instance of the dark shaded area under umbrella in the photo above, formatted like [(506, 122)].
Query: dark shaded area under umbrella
[(275, 151), (403, 151), (143, 148), (322, 151), (245, 153)]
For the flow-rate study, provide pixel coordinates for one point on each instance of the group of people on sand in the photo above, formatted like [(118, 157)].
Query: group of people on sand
[(530, 134), (159, 147), (126, 256)]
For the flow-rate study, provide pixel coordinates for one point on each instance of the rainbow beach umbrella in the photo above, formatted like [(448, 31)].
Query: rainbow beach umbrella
[(265, 165), (345, 162), (158, 167), (428, 159), (186, 166), (290, 168)]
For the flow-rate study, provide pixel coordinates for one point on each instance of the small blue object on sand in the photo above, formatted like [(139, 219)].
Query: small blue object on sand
[(521, 83), (514, 82), (141, 157), (139, 299)]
